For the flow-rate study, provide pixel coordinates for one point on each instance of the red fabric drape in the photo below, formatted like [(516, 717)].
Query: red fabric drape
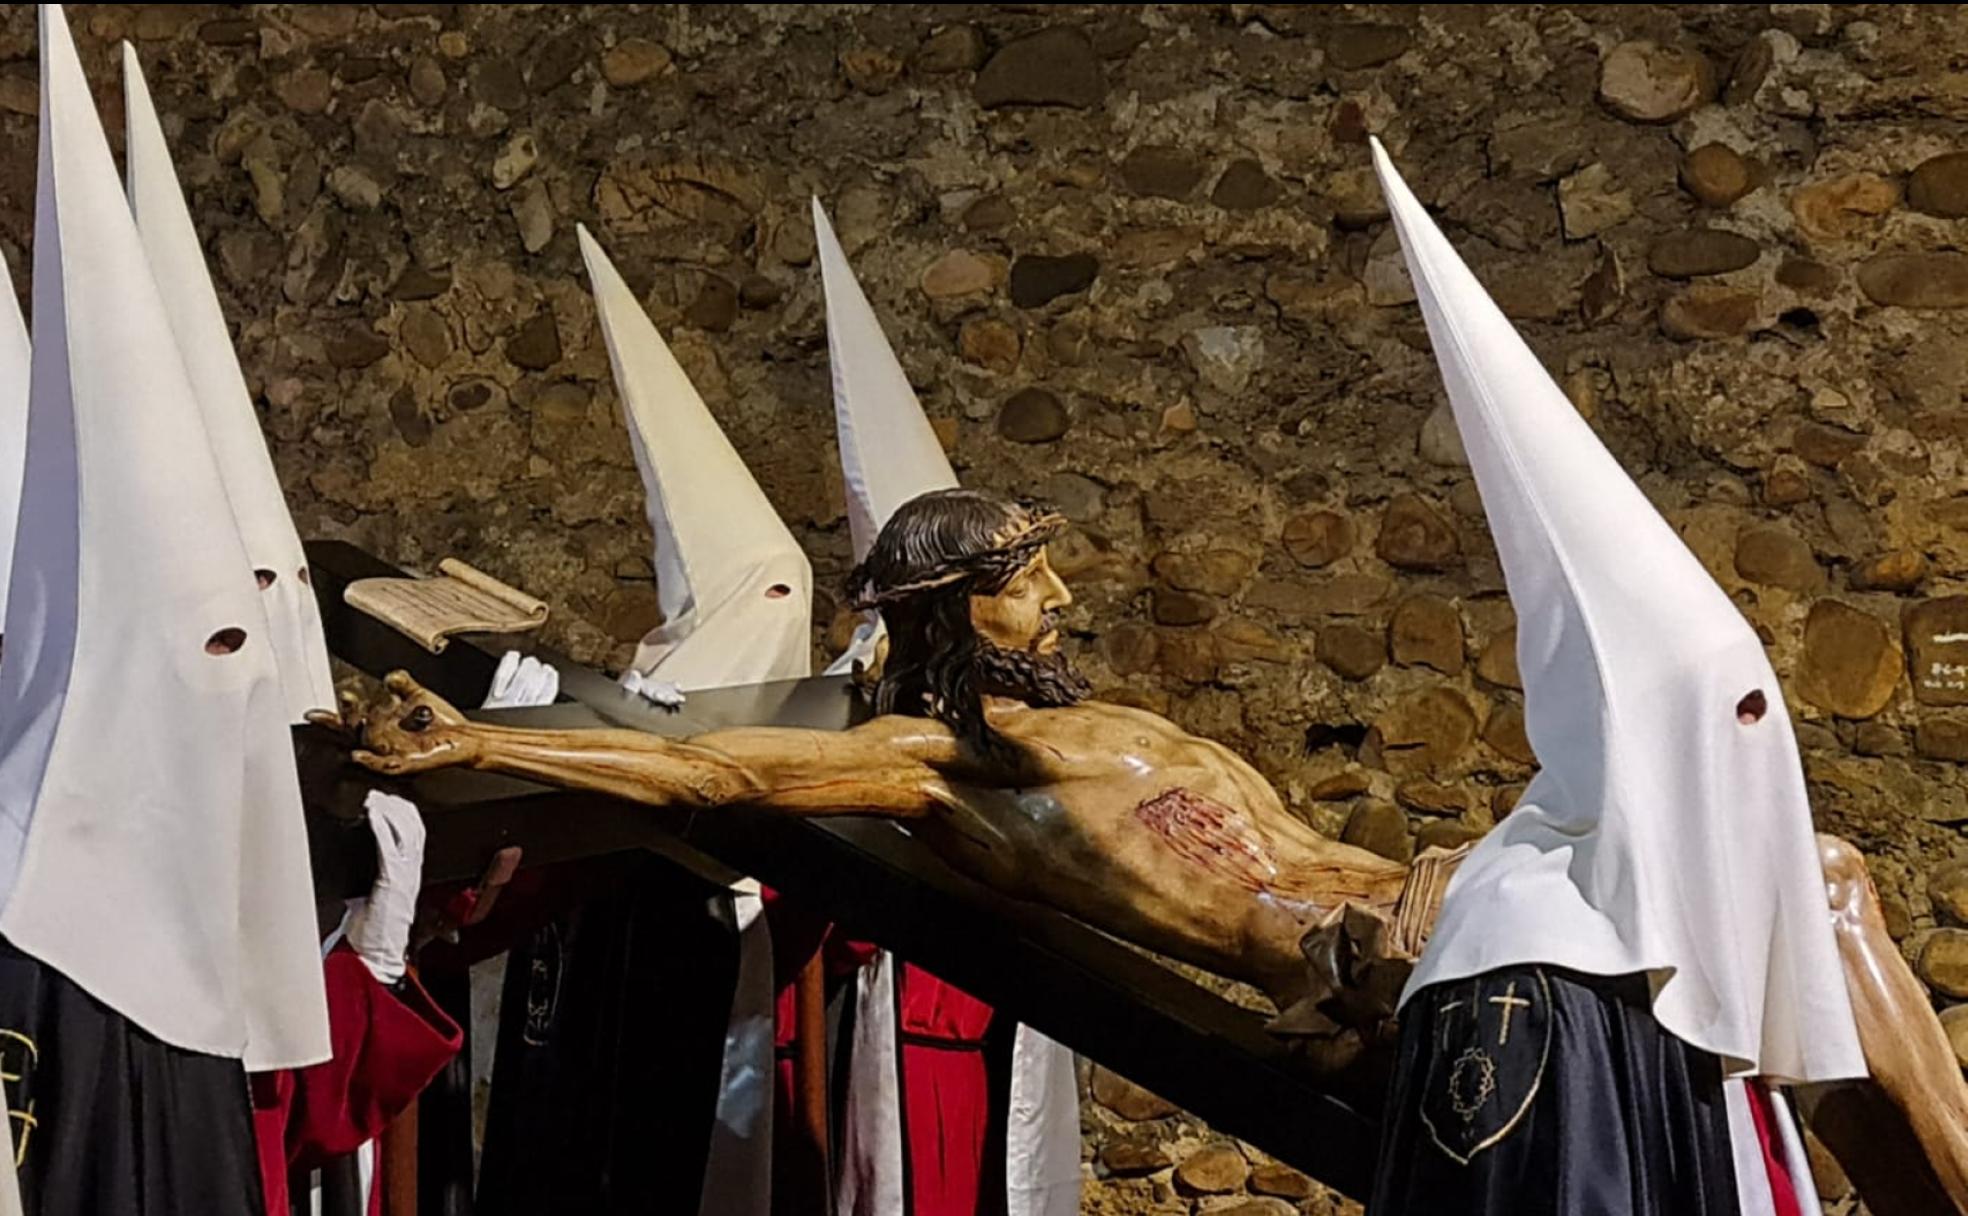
[(1783, 1187), (386, 1049)]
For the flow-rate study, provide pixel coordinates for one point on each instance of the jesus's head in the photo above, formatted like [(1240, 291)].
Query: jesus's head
[(971, 605)]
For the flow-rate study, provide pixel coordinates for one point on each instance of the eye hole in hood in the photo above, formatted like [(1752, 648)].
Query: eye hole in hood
[(1750, 710)]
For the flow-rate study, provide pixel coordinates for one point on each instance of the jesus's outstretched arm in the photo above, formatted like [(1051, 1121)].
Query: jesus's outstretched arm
[(881, 767)]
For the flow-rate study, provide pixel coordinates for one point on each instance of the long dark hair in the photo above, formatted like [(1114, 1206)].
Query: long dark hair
[(935, 552)]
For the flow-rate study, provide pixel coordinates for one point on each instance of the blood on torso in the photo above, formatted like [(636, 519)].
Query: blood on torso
[(1209, 834)]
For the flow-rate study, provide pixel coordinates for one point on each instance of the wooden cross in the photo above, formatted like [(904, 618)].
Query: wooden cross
[(1077, 985)]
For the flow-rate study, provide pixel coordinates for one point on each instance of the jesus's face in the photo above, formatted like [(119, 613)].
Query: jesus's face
[(1021, 617)]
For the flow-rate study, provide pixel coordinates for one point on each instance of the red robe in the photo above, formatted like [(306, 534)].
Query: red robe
[(946, 1086), (946, 1093), (386, 1046)]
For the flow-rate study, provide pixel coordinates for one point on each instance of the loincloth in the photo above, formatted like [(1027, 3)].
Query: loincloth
[(1359, 957)]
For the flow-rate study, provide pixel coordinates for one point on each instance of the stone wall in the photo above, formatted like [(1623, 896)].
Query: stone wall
[(1134, 260)]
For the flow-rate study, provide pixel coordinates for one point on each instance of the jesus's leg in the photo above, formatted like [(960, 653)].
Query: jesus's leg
[(1906, 1049)]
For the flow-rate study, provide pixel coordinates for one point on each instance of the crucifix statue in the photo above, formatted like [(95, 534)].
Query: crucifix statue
[(984, 743)]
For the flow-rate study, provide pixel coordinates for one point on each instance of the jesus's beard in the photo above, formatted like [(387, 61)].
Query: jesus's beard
[(1044, 680)]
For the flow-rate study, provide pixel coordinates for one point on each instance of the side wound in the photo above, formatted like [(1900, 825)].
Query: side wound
[(1205, 832)]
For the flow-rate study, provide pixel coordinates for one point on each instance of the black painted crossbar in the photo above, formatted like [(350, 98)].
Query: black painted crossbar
[(1099, 997)]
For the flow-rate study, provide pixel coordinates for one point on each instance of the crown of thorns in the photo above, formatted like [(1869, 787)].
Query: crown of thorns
[(1010, 549)]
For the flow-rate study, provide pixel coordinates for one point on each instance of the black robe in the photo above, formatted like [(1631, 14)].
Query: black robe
[(1535, 1091), (611, 1043), (110, 1121)]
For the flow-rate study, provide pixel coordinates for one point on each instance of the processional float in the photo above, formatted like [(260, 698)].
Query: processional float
[(1108, 1001)]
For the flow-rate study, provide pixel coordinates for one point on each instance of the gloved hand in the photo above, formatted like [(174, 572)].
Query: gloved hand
[(662, 692), (522, 681), (379, 929)]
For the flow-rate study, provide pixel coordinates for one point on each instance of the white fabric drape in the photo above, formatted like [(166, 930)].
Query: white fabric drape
[(738, 1168), (10, 1200), (1746, 1149), (1042, 1129), (872, 1173)]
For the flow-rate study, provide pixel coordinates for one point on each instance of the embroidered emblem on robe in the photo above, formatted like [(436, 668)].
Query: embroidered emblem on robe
[(1495, 1036), (17, 1058), (543, 987)]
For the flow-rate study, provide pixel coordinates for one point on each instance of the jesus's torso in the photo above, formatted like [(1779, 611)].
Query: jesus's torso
[(1135, 826)]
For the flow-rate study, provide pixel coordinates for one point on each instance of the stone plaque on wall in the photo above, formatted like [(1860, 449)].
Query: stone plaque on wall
[(1937, 648)]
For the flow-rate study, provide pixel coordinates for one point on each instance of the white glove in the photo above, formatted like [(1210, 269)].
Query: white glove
[(379, 930), (662, 692), (522, 681), (860, 649)]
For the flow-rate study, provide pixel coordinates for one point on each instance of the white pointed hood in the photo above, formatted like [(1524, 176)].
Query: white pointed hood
[(888, 452), (736, 591), (151, 841), (1661, 834), (13, 420), (177, 263)]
